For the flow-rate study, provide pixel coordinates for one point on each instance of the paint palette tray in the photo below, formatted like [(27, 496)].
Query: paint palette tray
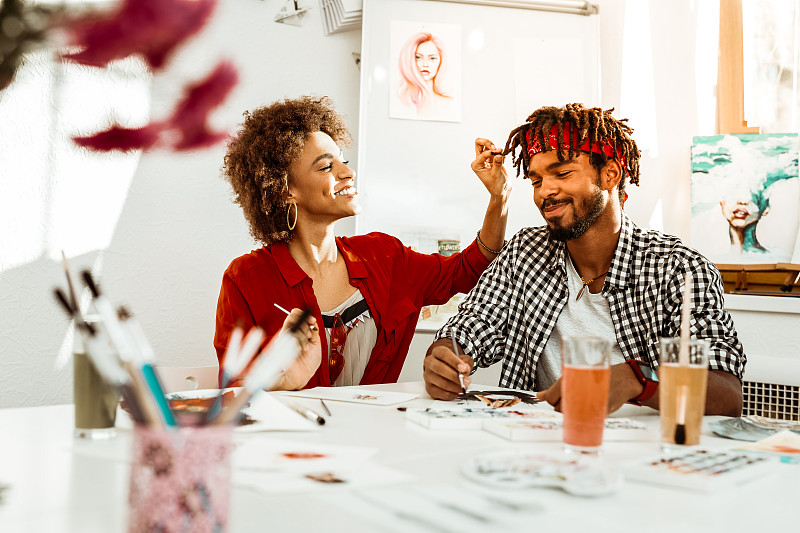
[(521, 469), (462, 418), (543, 425), (702, 470)]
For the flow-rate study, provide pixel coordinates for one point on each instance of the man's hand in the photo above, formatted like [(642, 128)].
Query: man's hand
[(622, 387), (441, 368)]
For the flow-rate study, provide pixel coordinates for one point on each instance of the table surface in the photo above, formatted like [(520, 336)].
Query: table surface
[(58, 483)]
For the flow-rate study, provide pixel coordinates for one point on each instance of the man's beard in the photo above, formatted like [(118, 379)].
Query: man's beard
[(581, 224)]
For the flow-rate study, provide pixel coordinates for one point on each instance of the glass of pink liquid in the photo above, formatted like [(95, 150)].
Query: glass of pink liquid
[(585, 376)]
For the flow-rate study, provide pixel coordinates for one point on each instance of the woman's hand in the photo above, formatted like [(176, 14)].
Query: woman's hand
[(310, 356), (488, 166)]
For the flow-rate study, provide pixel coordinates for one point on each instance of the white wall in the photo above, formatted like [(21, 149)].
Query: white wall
[(665, 165)]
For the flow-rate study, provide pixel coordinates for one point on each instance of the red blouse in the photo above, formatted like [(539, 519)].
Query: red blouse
[(395, 280)]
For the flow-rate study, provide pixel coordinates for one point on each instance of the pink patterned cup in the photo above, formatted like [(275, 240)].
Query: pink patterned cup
[(180, 481)]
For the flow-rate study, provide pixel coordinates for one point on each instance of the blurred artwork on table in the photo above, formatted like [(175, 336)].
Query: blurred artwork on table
[(745, 195)]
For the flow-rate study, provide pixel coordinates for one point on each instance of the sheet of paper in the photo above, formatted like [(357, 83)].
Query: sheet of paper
[(270, 465), (785, 444), (262, 454), (345, 477), (356, 395), (445, 508), (271, 414)]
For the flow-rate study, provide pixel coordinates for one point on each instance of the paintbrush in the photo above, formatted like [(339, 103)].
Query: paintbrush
[(325, 407), (103, 361), (73, 295), (279, 353), (135, 358), (311, 327), (683, 360), (146, 358), (238, 355), (455, 350)]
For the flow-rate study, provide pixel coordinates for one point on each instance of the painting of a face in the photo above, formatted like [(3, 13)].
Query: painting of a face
[(740, 210), (428, 60), (752, 181)]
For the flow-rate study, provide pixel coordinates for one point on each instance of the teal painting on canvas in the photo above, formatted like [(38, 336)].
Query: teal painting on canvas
[(745, 197)]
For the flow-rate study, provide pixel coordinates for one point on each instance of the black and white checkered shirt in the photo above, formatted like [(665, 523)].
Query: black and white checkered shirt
[(511, 312)]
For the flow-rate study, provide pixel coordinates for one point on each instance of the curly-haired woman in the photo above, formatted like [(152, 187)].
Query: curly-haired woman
[(289, 176)]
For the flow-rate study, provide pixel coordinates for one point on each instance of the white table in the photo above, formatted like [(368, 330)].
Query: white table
[(58, 483)]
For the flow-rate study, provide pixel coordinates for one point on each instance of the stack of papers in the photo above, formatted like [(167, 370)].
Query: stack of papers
[(340, 15)]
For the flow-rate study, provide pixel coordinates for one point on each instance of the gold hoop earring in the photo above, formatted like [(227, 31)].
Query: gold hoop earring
[(291, 225)]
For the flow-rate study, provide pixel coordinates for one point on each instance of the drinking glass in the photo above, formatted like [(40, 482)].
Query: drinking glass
[(682, 393), (95, 400), (585, 380)]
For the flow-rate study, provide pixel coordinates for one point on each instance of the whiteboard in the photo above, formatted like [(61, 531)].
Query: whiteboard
[(414, 177)]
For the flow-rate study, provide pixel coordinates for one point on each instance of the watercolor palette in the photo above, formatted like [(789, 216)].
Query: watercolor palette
[(702, 470), (463, 418), (548, 426), (521, 469)]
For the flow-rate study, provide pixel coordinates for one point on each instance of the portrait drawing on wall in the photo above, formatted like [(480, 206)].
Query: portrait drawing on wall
[(425, 71)]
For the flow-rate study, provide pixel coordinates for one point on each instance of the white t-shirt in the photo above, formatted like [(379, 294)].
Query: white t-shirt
[(359, 344), (588, 317)]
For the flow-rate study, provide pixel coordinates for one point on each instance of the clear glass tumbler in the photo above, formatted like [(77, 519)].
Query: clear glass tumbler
[(585, 380)]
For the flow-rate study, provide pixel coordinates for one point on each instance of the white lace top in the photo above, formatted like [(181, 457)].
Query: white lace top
[(360, 341)]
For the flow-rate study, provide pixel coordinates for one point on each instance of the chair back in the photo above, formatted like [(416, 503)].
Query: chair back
[(181, 378)]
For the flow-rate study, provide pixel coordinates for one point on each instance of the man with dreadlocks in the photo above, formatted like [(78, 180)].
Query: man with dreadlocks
[(588, 271)]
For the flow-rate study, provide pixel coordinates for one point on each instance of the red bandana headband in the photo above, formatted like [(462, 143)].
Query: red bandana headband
[(603, 147)]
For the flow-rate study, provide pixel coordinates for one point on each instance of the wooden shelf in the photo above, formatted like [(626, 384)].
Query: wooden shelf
[(777, 279)]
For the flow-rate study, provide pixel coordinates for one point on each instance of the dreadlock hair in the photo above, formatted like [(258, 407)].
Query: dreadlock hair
[(593, 125)]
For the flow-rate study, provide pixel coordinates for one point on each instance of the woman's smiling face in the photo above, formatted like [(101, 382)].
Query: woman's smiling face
[(321, 183)]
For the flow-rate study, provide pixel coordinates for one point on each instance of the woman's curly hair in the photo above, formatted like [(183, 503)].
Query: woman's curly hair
[(258, 158)]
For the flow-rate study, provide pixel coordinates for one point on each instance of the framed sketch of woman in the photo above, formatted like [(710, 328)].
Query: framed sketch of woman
[(425, 71)]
